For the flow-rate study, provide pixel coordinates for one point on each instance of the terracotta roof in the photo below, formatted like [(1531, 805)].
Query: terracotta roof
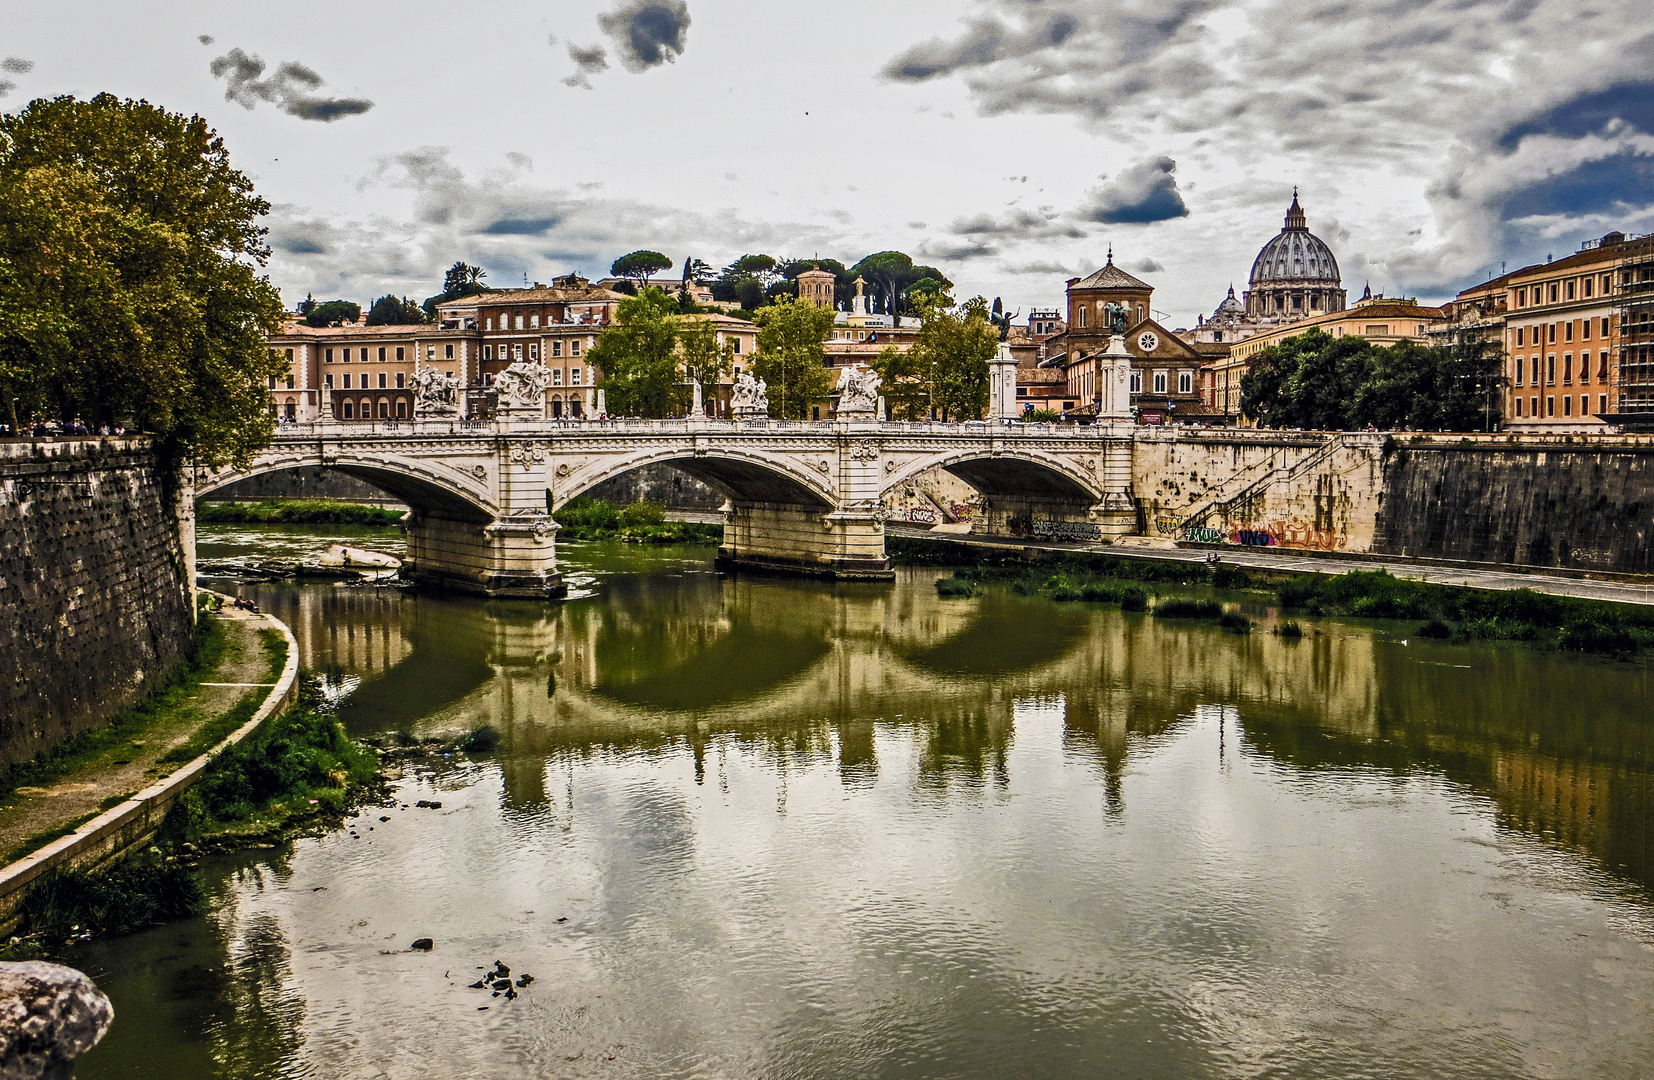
[(543, 295), (296, 328), (1111, 277)]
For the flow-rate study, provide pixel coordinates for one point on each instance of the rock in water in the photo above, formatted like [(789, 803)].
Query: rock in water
[(424, 944), (49, 1015)]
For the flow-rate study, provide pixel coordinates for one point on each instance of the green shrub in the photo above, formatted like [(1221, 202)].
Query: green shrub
[(1435, 628), (955, 586), (143, 890), (296, 512), (1179, 608), (1289, 629), (1234, 623), (1600, 634), (642, 513)]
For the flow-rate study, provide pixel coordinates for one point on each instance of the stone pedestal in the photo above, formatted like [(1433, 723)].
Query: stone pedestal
[(1114, 381), (1002, 385), (514, 557)]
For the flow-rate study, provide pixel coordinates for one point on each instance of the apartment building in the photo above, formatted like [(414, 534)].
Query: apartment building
[(1560, 338)]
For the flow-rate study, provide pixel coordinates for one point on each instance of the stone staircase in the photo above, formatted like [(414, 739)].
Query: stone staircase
[(1221, 505)]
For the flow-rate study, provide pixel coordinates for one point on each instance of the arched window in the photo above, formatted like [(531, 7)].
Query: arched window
[(292, 409), (384, 409), (401, 409), (348, 411), (367, 409), (1082, 315)]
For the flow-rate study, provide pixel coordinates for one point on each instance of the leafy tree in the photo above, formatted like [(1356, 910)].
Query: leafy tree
[(638, 357), (953, 348), (391, 311), (129, 283), (904, 383), (333, 313), (697, 270), (706, 360), (1472, 383), (463, 279), (891, 273), (640, 266), (749, 292), (758, 265), (307, 305), (791, 358)]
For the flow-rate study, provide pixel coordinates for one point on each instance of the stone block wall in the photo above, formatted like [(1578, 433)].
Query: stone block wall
[(672, 488), (95, 590), (1580, 505), (303, 484)]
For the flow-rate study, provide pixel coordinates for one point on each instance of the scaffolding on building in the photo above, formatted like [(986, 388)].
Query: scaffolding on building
[(1634, 311)]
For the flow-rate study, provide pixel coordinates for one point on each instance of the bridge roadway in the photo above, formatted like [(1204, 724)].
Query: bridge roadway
[(802, 496)]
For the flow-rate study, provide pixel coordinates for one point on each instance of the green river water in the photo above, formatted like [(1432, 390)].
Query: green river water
[(759, 827)]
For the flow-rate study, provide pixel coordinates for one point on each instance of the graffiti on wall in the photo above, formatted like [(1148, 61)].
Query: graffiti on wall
[(1291, 533)]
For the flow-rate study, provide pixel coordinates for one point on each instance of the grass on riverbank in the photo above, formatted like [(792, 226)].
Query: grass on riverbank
[(161, 707), (298, 767), (1560, 622), (637, 523), (296, 512)]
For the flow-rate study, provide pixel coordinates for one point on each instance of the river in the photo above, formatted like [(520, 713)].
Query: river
[(759, 827)]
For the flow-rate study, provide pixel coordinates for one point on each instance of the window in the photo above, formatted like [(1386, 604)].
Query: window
[(381, 380), (1570, 289), (327, 380), (365, 354), (557, 376), (488, 323), (1518, 337), (272, 382), (534, 350), (519, 322), (401, 380), (1518, 379), (1605, 326), (401, 409), (381, 354), (1567, 368), (557, 348), (1081, 314), (1185, 382), (348, 411), (1553, 334), (1518, 406), (384, 409), (1585, 330), (1602, 404), (488, 352), (1602, 371), (1552, 292), (448, 353), (1550, 369), (735, 345), (1588, 282), (1377, 330), (1136, 383), (534, 321), (399, 354), (1160, 381), (327, 356), (1568, 330), (347, 380), (1533, 406), (1567, 406), (450, 374), (574, 347), (574, 376), (289, 382), (1521, 298), (1550, 402), (517, 351)]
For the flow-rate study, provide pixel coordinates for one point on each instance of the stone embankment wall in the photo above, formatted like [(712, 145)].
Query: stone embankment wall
[(95, 589), (1575, 502), (672, 488), (303, 484), (1585, 503)]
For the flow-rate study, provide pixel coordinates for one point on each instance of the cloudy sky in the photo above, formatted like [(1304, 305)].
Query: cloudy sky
[(1007, 141)]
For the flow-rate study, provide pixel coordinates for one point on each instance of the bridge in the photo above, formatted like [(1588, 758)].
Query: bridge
[(801, 496)]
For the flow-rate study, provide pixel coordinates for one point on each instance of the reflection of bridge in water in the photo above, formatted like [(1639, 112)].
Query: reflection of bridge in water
[(806, 675), (805, 497)]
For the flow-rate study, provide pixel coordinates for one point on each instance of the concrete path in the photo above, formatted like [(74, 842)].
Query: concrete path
[(134, 764), (1276, 559)]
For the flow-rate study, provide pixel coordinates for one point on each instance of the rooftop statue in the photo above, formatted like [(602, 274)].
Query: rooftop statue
[(522, 385)]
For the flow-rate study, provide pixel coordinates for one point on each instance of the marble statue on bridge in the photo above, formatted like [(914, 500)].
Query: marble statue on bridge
[(435, 394), (523, 386), (858, 392), (750, 399)]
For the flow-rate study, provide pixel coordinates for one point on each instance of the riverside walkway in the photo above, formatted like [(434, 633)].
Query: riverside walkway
[(249, 667), (1618, 592)]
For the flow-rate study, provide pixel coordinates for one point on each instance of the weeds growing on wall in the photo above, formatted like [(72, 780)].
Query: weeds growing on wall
[(637, 523), (205, 653), (1474, 615), (296, 512), (141, 890)]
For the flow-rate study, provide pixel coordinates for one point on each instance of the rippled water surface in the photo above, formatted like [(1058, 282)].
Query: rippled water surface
[(744, 827)]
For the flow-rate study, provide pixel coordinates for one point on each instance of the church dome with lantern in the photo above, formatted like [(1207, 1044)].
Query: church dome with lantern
[(1295, 275)]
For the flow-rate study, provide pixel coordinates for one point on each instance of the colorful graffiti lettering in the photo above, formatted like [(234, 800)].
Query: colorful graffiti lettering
[(1067, 530), (960, 511), (1167, 526), (1203, 535), (1253, 537)]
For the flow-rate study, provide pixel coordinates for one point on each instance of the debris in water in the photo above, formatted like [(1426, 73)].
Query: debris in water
[(424, 944)]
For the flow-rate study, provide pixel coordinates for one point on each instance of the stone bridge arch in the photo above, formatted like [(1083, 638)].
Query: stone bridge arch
[(1022, 487), (742, 477), (427, 486)]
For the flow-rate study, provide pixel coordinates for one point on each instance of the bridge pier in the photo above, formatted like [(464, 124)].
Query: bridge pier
[(514, 557), (844, 544)]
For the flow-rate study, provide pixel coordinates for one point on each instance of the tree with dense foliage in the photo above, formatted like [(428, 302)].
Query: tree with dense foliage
[(638, 356), (697, 270), (463, 279), (953, 347), (1323, 383), (890, 273), (333, 313), (393, 311), (640, 266), (130, 289), (706, 360), (791, 357), (903, 383)]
